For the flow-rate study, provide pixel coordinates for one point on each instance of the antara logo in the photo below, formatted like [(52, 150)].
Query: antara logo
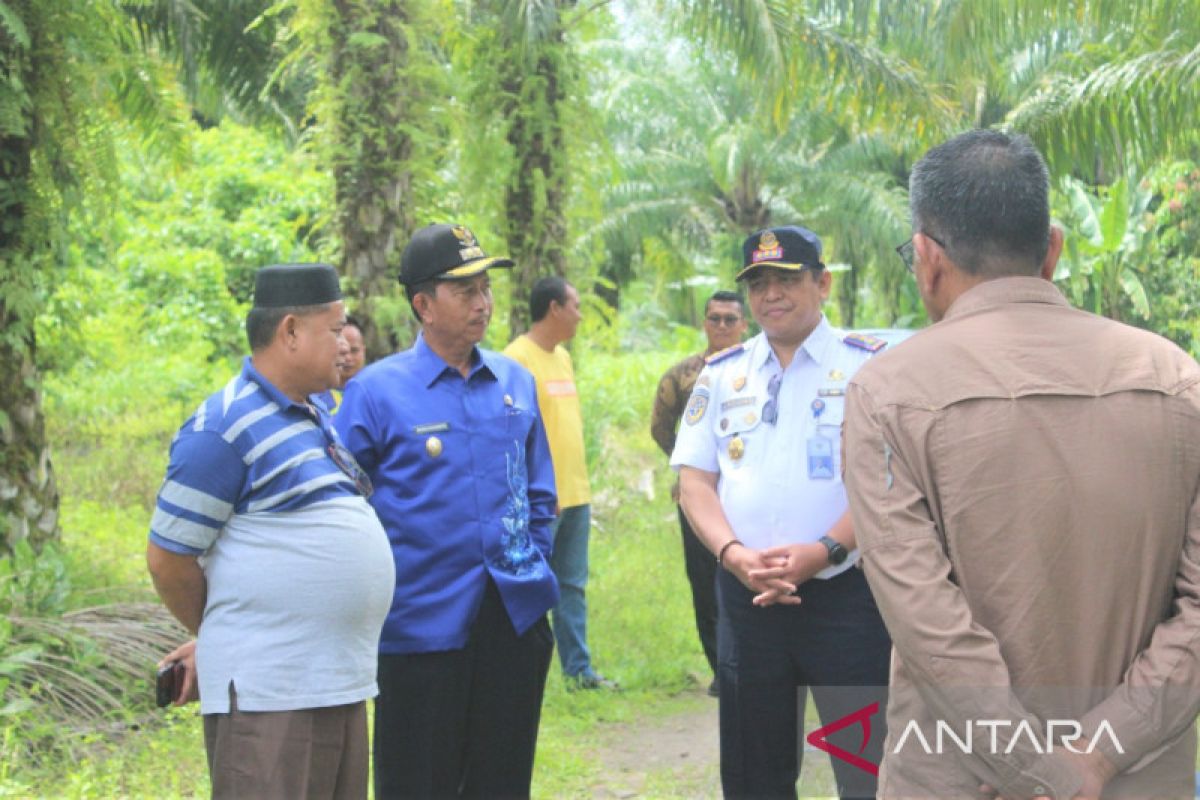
[(861, 717), (1065, 732)]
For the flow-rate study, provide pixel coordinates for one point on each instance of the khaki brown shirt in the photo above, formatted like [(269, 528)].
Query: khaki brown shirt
[(1023, 478), (674, 389)]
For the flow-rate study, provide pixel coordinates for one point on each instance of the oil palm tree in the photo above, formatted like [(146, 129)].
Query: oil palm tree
[(68, 73)]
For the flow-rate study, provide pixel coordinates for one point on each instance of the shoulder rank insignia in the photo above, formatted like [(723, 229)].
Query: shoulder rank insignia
[(872, 344), (721, 355)]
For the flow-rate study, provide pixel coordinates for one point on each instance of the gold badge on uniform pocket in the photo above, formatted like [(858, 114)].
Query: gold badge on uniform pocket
[(737, 448), (433, 446)]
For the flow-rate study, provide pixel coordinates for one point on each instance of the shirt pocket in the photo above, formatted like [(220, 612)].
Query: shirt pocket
[(511, 426), (739, 433), (829, 425), (834, 413)]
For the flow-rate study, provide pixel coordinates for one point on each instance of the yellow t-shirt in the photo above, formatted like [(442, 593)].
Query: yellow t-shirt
[(559, 403)]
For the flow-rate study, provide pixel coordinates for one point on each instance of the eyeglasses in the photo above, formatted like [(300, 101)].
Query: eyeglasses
[(908, 254), (770, 412), (346, 463), (724, 320)]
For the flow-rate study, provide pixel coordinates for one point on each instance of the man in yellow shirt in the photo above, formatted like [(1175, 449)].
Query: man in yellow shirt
[(554, 310)]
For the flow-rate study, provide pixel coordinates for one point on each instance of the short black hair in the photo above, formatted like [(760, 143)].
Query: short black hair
[(428, 287), (725, 296), (985, 196), (261, 323), (353, 321), (551, 288)]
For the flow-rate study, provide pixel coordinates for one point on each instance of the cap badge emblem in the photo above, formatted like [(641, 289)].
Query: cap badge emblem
[(470, 247), (768, 248)]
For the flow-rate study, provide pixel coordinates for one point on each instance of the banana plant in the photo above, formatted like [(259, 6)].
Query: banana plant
[(1105, 233)]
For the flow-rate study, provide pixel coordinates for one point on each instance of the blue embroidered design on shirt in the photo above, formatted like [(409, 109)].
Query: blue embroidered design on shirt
[(520, 556)]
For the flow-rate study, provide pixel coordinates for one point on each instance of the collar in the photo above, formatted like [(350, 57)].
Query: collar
[(430, 366), (249, 373), (818, 345), (1003, 291)]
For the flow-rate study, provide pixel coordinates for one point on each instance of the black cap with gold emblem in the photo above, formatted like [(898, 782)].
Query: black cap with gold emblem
[(790, 247), (444, 252)]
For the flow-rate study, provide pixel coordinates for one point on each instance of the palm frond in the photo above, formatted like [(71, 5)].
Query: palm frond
[(1122, 115), (84, 671), (792, 54)]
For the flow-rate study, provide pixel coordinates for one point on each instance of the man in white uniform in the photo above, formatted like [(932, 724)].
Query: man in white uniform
[(760, 479)]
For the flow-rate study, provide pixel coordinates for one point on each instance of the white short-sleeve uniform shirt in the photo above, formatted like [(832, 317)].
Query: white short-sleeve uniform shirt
[(780, 483)]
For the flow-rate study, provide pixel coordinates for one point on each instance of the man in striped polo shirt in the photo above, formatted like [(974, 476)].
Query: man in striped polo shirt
[(264, 546)]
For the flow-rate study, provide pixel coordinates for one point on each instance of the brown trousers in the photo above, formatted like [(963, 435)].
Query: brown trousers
[(314, 753)]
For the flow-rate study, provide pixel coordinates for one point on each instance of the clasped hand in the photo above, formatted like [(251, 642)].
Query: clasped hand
[(774, 574)]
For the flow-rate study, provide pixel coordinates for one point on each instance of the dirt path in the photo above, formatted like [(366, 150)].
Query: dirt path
[(673, 756), (677, 757)]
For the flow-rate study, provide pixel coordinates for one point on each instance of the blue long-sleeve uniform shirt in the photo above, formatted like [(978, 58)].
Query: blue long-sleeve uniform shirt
[(464, 487)]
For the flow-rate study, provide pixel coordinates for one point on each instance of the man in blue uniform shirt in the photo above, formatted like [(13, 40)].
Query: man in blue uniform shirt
[(760, 480), (451, 438)]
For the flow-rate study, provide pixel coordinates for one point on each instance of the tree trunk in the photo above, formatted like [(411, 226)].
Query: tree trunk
[(535, 227), (847, 295), (370, 111), (28, 493)]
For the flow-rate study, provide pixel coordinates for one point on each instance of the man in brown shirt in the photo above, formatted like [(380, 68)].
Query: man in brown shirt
[(1023, 478), (724, 327)]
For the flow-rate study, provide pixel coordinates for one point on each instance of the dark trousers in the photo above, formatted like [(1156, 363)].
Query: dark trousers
[(835, 643), (463, 723), (317, 753), (702, 575)]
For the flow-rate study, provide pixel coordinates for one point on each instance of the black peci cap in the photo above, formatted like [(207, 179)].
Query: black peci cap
[(445, 252), (790, 247), (286, 285)]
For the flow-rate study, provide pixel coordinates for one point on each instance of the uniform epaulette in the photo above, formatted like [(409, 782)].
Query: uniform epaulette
[(721, 355), (872, 344)]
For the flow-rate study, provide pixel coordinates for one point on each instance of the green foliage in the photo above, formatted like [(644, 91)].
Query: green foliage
[(230, 56), (147, 323), (1167, 265), (65, 672), (1109, 230)]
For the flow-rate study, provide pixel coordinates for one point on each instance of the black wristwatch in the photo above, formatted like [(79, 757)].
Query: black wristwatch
[(837, 550)]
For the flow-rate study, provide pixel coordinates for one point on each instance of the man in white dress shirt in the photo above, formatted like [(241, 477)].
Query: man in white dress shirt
[(760, 479)]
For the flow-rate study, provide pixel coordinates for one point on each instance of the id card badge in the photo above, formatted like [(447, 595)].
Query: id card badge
[(820, 458)]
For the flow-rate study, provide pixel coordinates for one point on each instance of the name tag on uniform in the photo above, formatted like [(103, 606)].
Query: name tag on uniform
[(738, 402), (820, 458), (433, 427)]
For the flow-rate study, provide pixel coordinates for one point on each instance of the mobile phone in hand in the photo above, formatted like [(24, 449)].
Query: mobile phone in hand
[(168, 683)]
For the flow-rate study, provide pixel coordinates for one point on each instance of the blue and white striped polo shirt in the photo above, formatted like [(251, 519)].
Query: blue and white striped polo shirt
[(248, 448), (298, 572)]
